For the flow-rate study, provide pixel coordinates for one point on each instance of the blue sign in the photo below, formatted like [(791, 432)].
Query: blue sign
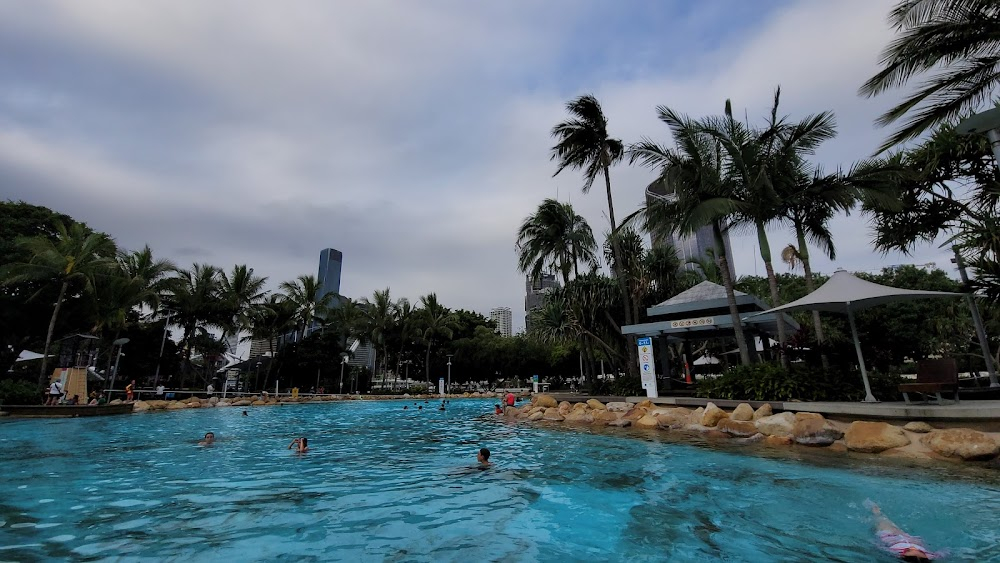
[(645, 367), (644, 341)]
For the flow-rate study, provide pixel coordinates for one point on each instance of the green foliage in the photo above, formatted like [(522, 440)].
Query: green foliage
[(13, 392), (621, 386), (770, 382)]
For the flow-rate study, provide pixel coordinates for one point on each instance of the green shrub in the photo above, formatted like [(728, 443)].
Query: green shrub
[(771, 382), (13, 392)]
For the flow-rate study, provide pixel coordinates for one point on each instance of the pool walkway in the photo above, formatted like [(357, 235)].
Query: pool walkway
[(968, 410)]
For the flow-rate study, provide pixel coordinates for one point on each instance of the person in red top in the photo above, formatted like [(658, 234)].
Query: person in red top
[(129, 390), (510, 399)]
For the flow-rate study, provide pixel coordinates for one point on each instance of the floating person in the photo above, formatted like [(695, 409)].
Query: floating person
[(896, 541), (208, 440), (301, 443), (245, 412), (405, 407), (420, 407), (498, 409), (484, 458)]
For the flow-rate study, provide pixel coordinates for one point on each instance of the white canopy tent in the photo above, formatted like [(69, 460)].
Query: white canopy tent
[(846, 293)]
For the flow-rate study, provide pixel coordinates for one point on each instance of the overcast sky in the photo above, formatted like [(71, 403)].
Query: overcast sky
[(412, 136)]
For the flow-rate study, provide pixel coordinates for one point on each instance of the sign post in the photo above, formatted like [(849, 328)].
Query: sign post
[(441, 385), (647, 366)]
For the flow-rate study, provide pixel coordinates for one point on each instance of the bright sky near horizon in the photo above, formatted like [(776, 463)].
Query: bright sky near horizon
[(412, 136)]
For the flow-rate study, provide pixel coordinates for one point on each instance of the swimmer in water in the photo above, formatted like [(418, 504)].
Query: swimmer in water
[(208, 440), (484, 458), (301, 443)]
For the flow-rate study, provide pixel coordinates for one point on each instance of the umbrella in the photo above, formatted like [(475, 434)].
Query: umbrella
[(27, 355), (846, 293)]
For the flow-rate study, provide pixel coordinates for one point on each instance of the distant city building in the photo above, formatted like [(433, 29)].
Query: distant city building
[(501, 316), (534, 294), (697, 246), (363, 354), (330, 263)]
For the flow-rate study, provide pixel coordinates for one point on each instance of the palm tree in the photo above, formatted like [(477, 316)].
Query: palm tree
[(556, 237), (380, 320), (194, 295), (405, 328), (584, 144), (953, 45), (436, 321), (271, 320), (700, 195), (241, 291), (304, 291), (73, 260), (760, 163)]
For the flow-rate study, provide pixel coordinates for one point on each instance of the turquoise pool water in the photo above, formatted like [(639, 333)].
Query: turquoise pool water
[(384, 484)]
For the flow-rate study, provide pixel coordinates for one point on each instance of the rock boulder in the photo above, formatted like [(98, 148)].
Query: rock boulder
[(647, 421), (579, 417), (552, 413), (543, 400), (963, 443), (565, 407), (777, 424), (762, 411), (596, 405), (815, 432), (739, 428), (742, 413), (621, 422), (712, 416), (536, 416), (618, 407), (874, 437), (918, 427)]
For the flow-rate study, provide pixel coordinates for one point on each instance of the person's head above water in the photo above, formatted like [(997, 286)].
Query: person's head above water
[(208, 439), (484, 456)]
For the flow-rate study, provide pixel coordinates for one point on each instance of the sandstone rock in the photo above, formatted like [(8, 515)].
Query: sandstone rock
[(714, 434), (674, 418), (140, 406), (193, 405), (776, 440), (758, 437), (874, 437), (807, 416), (536, 416), (116, 402), (223, 404), (636, 413), (713, 415), (646, 404), (777, 424), (739, 428), (618, 407), (621, 422), (696, 414), (762, 411), (579, 406), (579, 417), (214, 400), (552, 413), (605, 416), (243, 403), (565, 407), (918, 427), (647, 421), (511, 411), (543, 400), (596, 405), (815, 432), (176, 405), (258, 403), (965, 443), (742, 413)]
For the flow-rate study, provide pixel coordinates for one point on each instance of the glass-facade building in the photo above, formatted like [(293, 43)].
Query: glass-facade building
[(330, 263)]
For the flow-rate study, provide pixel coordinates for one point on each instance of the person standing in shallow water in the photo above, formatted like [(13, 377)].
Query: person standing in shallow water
[(301, 443)]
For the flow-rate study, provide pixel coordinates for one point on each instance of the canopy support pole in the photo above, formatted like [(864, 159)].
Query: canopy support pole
[(869, 398)]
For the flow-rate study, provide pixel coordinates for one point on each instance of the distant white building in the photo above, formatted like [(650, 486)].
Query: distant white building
[(501, 316)]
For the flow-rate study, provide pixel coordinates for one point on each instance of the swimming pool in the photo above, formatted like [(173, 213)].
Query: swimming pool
[(381, 483)]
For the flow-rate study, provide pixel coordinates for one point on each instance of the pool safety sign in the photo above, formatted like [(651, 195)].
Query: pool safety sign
[(441, 385), (647, 366)]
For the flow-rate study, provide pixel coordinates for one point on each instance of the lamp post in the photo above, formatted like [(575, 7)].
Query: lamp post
[(114, 373), (343, 363), (448, 388), (987, 122), (163, 342)]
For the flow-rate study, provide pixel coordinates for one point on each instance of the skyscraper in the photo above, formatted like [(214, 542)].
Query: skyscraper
[(534, 294), (330, 263), (501, 316), (699, 245)]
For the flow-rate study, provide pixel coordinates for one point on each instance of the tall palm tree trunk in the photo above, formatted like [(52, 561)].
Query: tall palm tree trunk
[(427, 366), (772, 282), (810, 287), (727, 281), (43, 376), (616, 249)]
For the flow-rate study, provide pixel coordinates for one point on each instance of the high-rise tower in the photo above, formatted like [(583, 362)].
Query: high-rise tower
[(534, 294), (501, 316), (330, 263)]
